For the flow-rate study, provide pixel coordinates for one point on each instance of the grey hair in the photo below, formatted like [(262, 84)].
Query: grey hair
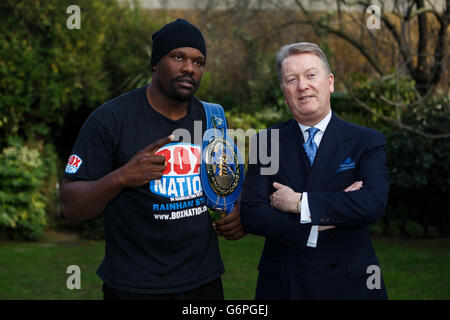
[(297, 48)]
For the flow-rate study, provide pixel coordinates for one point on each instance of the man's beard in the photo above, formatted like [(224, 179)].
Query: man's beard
[(182, 94)]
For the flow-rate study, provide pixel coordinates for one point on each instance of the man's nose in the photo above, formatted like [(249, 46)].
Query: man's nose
[(188, 66), (303, 84)]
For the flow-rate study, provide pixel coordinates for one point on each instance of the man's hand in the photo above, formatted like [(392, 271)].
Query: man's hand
[(230, 227), (284, 198), (145, 165), (354, 187)]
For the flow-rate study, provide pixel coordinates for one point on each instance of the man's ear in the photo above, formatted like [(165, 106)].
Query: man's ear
[(331, 81)]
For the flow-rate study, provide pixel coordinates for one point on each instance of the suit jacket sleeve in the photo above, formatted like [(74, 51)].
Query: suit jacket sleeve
[(259, 217), (360, 207)]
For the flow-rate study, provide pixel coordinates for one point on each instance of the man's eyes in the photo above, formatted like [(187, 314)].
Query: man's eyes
[(199, 63)]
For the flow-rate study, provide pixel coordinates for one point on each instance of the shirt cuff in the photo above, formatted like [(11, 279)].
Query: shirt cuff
[(305, 214), (305, 217), (313, 236)]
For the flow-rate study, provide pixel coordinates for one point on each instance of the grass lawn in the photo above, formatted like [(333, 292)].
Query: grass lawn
[(413, 269)]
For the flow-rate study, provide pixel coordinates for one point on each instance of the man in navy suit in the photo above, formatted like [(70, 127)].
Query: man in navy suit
[(332, 182)]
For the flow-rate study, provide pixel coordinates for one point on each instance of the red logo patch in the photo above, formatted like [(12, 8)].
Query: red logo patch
[(73, 164)]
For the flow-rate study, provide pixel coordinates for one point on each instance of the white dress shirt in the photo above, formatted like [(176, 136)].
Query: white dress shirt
[(305, 215)]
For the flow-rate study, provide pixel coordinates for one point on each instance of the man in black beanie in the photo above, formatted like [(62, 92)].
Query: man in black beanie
[(126, 165)]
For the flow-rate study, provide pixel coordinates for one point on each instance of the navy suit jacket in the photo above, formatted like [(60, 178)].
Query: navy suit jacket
[(337, 267)]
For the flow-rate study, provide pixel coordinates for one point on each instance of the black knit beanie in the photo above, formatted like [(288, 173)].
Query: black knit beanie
[(177, 34)]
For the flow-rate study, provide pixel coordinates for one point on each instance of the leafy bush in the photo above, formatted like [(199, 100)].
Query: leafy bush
[(48, 73), (23, 174), (414, 229)]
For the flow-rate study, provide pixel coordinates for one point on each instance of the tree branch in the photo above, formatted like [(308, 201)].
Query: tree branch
[(318, 26), (395, 123)]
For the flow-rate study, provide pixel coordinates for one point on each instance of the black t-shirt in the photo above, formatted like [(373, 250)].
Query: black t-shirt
[(159, 237)]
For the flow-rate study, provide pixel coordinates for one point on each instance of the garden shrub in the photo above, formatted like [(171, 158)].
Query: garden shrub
[(23, 205)]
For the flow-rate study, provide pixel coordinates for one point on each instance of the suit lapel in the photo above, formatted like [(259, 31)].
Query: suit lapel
[(293, 162), (334, 146)]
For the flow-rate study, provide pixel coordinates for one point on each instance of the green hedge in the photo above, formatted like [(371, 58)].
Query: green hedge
[(27, 190), (49, 73)]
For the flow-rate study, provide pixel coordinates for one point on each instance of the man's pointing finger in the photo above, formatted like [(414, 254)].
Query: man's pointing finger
[(155, 146)]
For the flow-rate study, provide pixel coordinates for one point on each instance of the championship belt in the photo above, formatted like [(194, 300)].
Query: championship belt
[(221, 170)]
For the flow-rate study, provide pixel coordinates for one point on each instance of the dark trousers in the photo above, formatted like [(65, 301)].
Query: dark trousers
[(211, 291)]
